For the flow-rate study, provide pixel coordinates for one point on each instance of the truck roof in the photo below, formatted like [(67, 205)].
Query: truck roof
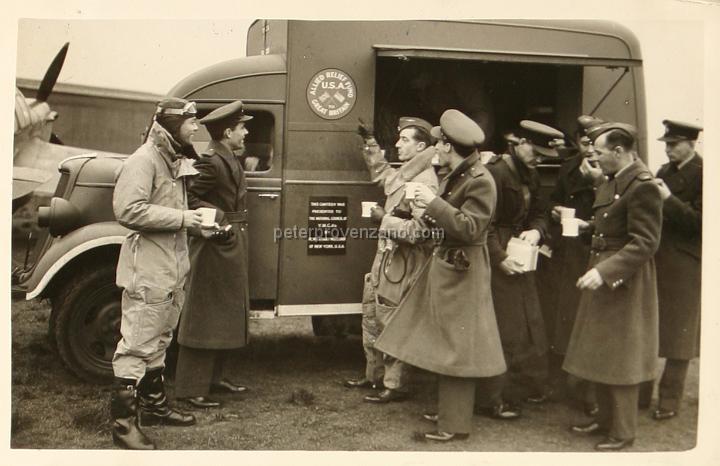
[(592, 27), (588, 27), (625, 45), (256, 65)]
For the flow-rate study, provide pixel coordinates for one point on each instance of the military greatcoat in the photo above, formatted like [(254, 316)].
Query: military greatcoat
[(446, 322), (217, 302), (615, 337), (678, 260)]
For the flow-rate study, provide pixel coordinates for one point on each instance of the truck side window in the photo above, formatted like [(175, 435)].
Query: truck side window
[(258, 154)]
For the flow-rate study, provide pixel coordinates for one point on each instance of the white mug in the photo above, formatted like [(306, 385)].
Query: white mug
[(566, 212), (570, 226), (367, 208), (208, 216), (410, 189)]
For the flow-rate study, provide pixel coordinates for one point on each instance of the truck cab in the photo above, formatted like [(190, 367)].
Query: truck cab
[(307, 83)]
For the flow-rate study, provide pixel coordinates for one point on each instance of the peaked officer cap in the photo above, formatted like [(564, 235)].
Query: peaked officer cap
[(404, 122), (232, 113), (458, 128), (595, 132), (680, 131), (540, 136)]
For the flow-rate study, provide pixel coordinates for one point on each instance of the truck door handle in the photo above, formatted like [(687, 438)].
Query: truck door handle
[(269, 195)]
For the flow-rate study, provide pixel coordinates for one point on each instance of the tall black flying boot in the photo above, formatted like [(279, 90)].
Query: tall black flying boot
[(154, 408), (126, 432)]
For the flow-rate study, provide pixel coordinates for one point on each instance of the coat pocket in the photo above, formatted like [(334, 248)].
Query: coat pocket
[(143, 324)]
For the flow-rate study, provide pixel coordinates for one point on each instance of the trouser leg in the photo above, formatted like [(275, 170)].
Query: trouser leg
[(396, 374), (194, 372), (672, 384), (456, 396), (526, 377), (645, 394), (605, 406), (557, 378), (588, 392), (370, 331), (489, 391), (534, 371), (146, 329), (624, 400), (218, 372)]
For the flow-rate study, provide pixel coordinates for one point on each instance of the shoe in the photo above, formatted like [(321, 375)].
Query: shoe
[(590, 409), (201, 402), (171, 417), (226, 386), (153, 403), (502, 411), (126, 432), (440, 436), (432, 417), (537, 399), (661, 414), (386, 396), (592, 428), (614, 444), (362, 383)]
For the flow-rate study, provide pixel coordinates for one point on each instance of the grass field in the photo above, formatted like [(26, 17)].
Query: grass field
[(296, 402)]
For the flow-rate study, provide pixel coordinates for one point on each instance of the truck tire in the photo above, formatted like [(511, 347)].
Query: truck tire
[(86, 323), (336, 326)]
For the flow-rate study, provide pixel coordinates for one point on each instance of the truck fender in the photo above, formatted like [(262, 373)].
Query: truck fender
[(63, 250)]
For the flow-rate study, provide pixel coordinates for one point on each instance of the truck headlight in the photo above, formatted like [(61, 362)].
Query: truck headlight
[(60, 218)]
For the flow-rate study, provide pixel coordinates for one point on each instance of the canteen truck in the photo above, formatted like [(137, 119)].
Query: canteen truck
[(307, 83)]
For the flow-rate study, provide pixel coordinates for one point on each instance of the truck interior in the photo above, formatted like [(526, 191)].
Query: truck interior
[(496, 95)]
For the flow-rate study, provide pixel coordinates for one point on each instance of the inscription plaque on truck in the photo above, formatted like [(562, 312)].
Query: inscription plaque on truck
[(331, 94), (327, 225)]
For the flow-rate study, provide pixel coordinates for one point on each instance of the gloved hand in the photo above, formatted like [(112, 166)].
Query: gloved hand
[(365, 130), (222, 236), (402, 213)]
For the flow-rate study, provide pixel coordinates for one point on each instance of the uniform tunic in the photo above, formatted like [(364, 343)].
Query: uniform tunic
[(517, 305), (615, 337), (218, 300), (678, 261), (446, 323)]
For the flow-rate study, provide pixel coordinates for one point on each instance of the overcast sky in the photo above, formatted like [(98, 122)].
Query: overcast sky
[(153, 55)]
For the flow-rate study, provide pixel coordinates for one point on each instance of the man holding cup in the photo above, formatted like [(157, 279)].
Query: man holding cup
[(402, 249), (150, 198), (521, 214), (614, 342), (215, 317), (447, 324), (571, 200)]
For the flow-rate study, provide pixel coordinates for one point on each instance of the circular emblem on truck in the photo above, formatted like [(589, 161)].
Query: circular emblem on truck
[(331, 94)]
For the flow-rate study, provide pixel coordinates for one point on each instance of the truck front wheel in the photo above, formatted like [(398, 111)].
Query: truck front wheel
[(86, 323)]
